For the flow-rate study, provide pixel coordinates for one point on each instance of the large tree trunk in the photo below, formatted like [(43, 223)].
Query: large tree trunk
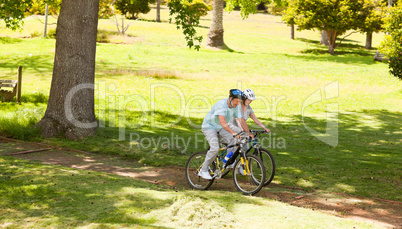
[(215, 34), (369, 39), (158, 11), (292, 31), (324, 37), (331, 41), (70, 111)]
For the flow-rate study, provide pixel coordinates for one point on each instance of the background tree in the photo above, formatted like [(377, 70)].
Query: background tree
[(215, 33), (198, 9), (70, 111), (71, 108), (38, 7), (12, 12), (131, 8), (371, 15), (391, 46), (181, 11), (289, 18), (334, 16), (158, 10)]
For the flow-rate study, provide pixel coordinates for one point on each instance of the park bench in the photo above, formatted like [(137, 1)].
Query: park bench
[(380, 57), (11, 88), (8, 89)]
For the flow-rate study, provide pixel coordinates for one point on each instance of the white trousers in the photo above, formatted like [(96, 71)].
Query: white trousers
[(213, 140)]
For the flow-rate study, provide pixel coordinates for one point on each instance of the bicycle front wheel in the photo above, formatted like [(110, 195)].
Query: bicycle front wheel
[(249, 177), (193, 166), (269, 164)]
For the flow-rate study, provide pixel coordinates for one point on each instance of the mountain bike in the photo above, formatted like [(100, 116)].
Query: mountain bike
[(265, 156), (249, 175)]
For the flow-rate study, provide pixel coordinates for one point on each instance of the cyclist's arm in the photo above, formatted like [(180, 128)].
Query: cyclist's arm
[(225, 125), (239, 123), (258, 122), (244, 126)]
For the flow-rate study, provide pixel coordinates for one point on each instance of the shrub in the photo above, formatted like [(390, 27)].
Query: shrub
[(391, 46), (131, 8)]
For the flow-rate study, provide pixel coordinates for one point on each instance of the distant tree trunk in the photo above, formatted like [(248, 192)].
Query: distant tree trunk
[(292, 31), (331, 41), (324, 37), (46, 16), (215, 34), (158, 11), (369, 39), (70, 111)]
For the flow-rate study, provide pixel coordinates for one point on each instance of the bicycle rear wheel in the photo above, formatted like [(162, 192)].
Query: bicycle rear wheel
[(249, 180), (193, 165), (269, 164)]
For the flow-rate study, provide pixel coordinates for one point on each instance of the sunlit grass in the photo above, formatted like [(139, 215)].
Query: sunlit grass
[(48, 196), (162, 88)]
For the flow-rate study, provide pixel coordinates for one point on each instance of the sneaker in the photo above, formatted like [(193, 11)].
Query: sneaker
[(204, 174)]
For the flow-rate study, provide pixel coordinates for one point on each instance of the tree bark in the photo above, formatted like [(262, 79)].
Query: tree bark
[(158, 11), (70, 111), (215, 34), (331, 41), (324, 37), (369, 39), (292, 31)]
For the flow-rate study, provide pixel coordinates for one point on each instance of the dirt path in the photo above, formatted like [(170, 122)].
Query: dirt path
[(382, 213)]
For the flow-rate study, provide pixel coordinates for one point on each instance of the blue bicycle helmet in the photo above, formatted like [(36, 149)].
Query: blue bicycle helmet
[(236, 93)]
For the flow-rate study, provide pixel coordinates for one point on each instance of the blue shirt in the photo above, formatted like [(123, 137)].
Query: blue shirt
[(211, 121)]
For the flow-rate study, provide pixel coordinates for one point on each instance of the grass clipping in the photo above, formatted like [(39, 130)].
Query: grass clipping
[(194, 212)]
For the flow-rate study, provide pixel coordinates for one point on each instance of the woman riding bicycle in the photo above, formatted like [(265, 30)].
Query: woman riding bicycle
[(247, 111)]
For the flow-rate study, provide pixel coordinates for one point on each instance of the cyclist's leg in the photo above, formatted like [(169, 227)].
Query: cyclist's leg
[(228, 138), (212, 138)]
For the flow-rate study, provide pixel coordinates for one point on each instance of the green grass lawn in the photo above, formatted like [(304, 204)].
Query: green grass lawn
[(155, 87), (34, 195)]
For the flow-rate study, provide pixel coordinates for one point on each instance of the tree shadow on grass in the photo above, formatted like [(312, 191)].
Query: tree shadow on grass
[(9, 40), (35, 98), (37, 63), (365, 162), (346, 51), (75, 198), (323, 55)]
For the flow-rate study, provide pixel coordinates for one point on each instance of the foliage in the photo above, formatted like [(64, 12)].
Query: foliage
[(131, 8), (275, 9), (289, 16), (184, 13), (39, 6), (246, 6), (395, 66), (391, 46), (12, 12), (105, 8), (371, 15), (198, 9), (334, 16)]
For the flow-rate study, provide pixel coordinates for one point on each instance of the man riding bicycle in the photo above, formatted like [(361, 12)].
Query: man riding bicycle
[(218, 123)]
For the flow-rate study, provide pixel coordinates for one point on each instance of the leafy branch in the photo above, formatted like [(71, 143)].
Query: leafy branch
[(186, 20)]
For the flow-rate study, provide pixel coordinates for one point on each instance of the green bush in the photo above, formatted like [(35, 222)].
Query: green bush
[(395, 66), (36, 34), (131, 8), (51, 33), (391, 46), (198, 9)]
